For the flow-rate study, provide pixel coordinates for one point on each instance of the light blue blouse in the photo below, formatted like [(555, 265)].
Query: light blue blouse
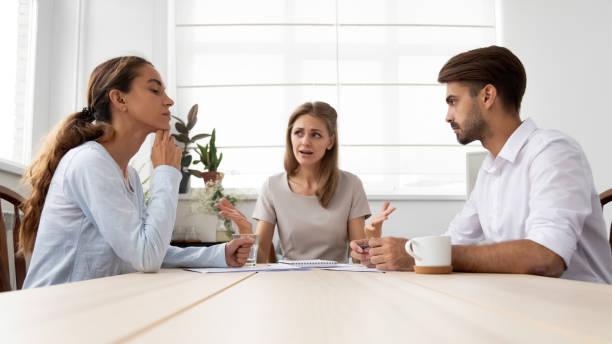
[(92, 225)]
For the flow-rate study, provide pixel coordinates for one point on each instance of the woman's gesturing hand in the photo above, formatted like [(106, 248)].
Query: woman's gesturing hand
[(230, 212), (164, 151)]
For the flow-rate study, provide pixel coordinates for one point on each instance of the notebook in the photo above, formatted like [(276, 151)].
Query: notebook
[(313, 263)]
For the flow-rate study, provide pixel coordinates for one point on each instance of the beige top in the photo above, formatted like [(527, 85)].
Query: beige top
[(306, 229)]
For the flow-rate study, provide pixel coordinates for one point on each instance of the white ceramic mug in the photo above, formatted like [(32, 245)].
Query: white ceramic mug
[(432, 250)]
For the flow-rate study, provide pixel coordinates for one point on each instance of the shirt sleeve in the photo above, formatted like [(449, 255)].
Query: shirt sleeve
[(359, 204), (559, 198), (100, 191), (465, 228), (264, 208), (195, 257)]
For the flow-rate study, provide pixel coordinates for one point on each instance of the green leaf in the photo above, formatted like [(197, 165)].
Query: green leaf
[(213, 136), (186, 160), (192, 117), (196, 173), (181, 128), (199, 137), (178, 119), (181, 138), (200, 150), (212, 158), (204, 157)]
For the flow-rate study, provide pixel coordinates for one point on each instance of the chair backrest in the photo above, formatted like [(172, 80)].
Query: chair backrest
[(604, 198), (8, 254)]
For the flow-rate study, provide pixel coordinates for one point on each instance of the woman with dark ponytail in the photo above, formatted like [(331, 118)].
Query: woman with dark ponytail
[(86, 217)]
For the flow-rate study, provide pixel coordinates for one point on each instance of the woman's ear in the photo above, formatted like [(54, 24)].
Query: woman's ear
[(331, 143), (117, 100)]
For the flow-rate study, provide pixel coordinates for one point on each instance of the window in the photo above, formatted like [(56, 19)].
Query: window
[(16, 20), (249, 64)]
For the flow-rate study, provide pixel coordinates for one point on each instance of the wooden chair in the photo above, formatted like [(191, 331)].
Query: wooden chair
[(604, 198), (20, 266)]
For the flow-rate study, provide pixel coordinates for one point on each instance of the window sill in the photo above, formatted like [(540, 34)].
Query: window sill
[(11, 167), (243, 194), (414, 197), (252, 195)]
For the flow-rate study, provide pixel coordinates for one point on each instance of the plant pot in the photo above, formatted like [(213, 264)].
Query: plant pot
[(224, 230), (223, 236), (212, 175), (184, 186)]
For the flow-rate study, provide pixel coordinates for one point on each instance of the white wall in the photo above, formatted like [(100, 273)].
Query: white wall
[(566, 47), (11, 181), (10, 176), (74, 36)]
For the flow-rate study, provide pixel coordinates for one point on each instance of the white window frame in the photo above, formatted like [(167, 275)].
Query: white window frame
[(474, 147), (22, 149)]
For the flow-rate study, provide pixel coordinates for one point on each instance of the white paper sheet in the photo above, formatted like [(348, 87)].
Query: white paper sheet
[(257, 268), (352, 267)]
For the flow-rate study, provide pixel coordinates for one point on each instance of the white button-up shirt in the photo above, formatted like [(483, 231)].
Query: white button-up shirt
[(539, 187)]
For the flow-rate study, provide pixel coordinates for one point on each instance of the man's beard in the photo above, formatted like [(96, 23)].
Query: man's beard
[(473, 128)]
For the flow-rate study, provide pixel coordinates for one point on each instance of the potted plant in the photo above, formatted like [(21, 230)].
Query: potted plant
[(210, 160), (183, 137), (207, 200)]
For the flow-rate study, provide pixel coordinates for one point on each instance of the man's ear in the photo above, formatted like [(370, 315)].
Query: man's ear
[(117, 100), (489, 96)]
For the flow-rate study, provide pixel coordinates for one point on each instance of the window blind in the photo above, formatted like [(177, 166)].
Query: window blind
[(249, 64)]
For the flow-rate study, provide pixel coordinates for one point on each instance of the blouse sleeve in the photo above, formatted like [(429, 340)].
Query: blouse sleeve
[(359, 204), (99, 190), (195, 257)]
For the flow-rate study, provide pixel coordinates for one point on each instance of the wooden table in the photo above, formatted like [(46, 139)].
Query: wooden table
[(310, 307)]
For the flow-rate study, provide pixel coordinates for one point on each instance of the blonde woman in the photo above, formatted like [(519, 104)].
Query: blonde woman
[(317, 207), (86, 216)]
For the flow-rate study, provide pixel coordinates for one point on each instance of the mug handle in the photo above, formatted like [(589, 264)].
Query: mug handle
[(409, 249)]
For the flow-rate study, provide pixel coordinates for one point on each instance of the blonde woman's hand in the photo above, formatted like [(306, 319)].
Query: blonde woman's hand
[(230, 212), (360, 252), (374, 228), (164, 151)]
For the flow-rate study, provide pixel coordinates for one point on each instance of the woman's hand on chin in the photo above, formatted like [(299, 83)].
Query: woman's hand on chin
[(164, 151)]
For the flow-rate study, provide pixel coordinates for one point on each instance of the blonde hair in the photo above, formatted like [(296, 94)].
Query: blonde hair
[(74, 130), (329, 171)]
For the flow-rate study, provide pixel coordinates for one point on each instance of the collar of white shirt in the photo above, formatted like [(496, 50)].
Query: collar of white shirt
[(512, 147)]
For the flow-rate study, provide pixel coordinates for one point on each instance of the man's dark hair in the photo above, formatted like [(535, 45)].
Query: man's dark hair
[(493, 65)]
